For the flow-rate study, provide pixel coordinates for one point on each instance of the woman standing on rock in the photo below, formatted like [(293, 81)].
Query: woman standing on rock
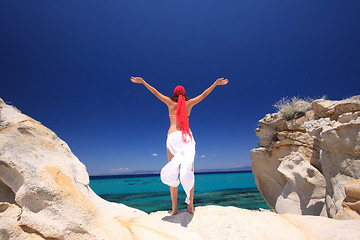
[(180, 141)]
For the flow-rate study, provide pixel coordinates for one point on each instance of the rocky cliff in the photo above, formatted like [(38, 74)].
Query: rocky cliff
[(309, 163), (45, 194), (44, 188)]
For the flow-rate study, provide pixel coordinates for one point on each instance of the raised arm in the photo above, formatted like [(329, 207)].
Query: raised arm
[(160, 96), (218, 82)]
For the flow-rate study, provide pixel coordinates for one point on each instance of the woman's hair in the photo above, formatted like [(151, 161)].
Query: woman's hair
[(175, 98)]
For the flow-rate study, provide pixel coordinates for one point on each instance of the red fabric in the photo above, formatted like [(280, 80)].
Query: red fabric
[(181, 114), (179, 90)]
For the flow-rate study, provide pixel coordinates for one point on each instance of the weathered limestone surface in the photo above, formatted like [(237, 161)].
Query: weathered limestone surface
[(351, 203), (44, 188), (302, 165), (45, 194), (215, 222), (333, 109), (339, 141)]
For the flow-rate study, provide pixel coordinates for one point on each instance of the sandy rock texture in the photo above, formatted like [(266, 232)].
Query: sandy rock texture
[(45, 194), (216, 222), (302, 165), (44, 188)]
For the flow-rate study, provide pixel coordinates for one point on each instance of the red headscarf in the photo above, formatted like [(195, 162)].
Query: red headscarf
[(181, 114)]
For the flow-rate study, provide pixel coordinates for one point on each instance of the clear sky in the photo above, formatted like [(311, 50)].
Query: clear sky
[(68, 65)]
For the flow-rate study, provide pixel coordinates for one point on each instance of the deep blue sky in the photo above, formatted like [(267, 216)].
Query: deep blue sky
[(68, 64)]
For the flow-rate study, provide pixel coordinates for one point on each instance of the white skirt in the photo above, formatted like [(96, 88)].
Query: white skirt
[(181, 164)]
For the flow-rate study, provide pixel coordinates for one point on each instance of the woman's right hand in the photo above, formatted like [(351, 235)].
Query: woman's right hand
[(137, 79), (221, 81)]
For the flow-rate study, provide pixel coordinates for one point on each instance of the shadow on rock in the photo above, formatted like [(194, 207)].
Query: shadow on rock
[(183, 217)]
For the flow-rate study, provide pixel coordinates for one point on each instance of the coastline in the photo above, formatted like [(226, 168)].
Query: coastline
[(147, 193)]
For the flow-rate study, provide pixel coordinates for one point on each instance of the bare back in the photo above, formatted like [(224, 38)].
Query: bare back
[(172, 115), (172, 104)]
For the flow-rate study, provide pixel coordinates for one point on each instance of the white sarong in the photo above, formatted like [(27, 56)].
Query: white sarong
[(184, 153)]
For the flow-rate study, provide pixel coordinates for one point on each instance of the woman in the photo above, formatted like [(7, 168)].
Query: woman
[(180, 141)]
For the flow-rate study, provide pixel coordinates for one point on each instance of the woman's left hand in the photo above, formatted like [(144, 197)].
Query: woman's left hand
[(137, 80), (221, 81)]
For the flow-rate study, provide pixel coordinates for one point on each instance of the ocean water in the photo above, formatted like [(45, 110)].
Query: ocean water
[(149, 194)]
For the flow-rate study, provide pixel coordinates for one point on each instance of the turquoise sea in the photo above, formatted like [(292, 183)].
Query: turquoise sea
[(149, 194)]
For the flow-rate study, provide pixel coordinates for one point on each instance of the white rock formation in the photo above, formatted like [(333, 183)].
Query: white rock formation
[(305, 188), (45, 194), (302, 165), (333, 109), (44, 188), (215, 222), (339, 141)]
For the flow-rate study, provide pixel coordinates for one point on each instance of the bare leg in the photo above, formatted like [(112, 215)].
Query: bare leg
[(173, 191), (190, 207)]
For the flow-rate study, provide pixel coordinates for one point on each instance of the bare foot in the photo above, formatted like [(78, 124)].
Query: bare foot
[(173, 212), (190, 209)]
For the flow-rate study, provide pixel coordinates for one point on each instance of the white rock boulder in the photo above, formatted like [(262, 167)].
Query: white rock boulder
[(306, 162), (339, 156), (44, 188)]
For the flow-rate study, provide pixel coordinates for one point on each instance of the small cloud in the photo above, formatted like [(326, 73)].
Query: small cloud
[(203, 156), (155, 154), (213, 155), (119, 169), (116, 169)]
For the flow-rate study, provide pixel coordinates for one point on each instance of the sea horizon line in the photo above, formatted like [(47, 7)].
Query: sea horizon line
[(157, 173)]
